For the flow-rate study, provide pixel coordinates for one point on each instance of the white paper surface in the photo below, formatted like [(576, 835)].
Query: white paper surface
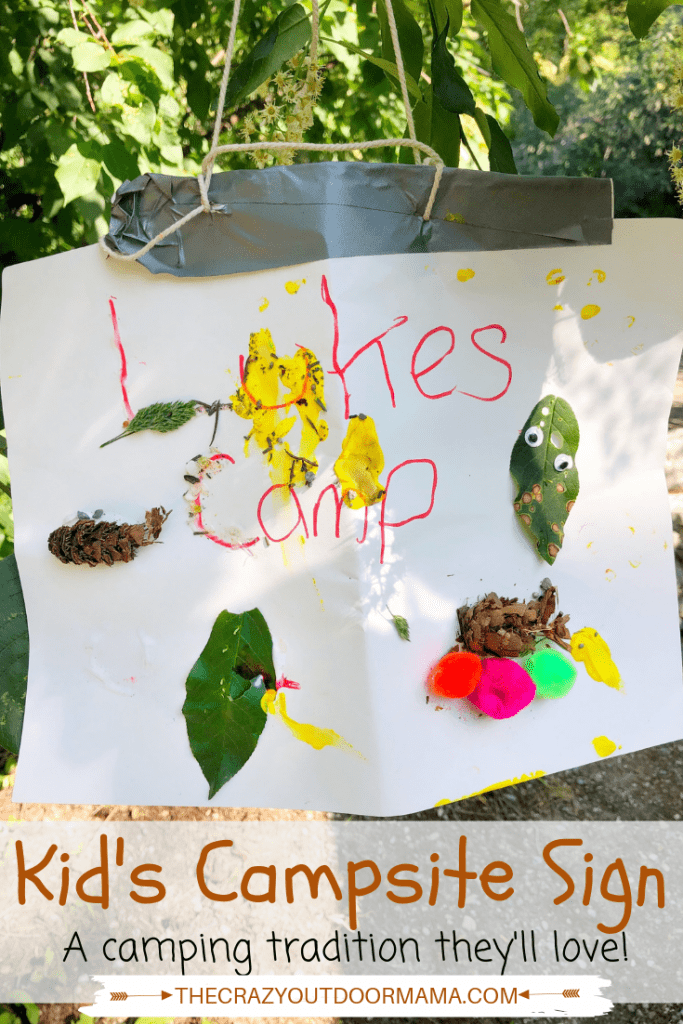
[(111, 647)]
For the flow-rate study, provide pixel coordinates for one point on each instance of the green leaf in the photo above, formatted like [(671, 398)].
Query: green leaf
[(438, 128), (90, 57), (162, 21), (450, 88), (13, 655), (72, 37), (401, 624), (160, 63), (16, 63), (161, 416), (289, 32), (32, 1012), (542, 466), (138, 122), (112, 91), (119, 161), (223, 705), (480, 118), (455, 10), (129, 32), (409, 38), (446, 134), (513, 62), (76, 174), (642, 14), (501, 157)]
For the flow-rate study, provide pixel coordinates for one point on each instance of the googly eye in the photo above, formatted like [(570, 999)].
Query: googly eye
[(563, 462), (534, 437)]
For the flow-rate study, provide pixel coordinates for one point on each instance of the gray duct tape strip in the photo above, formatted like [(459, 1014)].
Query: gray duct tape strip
[(283, 216)]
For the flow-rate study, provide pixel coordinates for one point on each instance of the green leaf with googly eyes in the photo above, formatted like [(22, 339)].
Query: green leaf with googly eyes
[(543, 467)]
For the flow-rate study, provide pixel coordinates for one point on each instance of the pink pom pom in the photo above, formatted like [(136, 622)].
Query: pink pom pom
[(504, 689)]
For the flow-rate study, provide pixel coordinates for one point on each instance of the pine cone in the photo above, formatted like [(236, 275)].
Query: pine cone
[(88, 542)]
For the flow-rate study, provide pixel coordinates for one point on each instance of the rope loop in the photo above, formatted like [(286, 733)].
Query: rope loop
[(432, 158)]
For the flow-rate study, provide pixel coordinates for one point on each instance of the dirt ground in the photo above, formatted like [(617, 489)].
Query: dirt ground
[(644, 786)]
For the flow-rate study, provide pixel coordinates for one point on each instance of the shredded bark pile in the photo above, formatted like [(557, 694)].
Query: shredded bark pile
[(88, 542), (510, 628)]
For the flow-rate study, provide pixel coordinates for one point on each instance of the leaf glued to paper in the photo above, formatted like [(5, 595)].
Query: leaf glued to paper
[(224, 692), (161, 416), (401, 624), (542, 465), (360, 463), (13, 655)]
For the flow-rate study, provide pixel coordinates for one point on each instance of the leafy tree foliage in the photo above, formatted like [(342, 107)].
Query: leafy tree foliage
[(614, 98), (93, 92)]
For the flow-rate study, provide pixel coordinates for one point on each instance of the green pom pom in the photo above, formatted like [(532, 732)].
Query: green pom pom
[(553, 674)]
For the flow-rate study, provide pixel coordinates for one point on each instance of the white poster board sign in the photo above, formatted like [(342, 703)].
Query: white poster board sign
[(447, 354)]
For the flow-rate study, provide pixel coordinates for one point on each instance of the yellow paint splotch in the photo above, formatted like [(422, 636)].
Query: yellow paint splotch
[(590, 310), (466, 274), (292, 287), (274, 703), (498, 785), (554, 276), (558, 307), (457, 217), (589, 647), (264, 305), (632, 319), (610, 575), (604, 746), (275, 391), (360, 464), (600, 274)]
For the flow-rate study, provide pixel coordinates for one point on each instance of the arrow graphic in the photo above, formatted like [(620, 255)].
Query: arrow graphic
[(120, 997), (568, 993)]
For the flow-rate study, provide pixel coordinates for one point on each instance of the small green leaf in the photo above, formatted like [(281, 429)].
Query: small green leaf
[(450, 88), (501, 157), (513, 61), (76, 174), (161, 416), (128, 32), (642, 14), (542, 465), (90, 57), (401, 625), (224, 692), (160, 63), (16, 63), (13, 655), (138, 122), (480, 118), (72, 37)]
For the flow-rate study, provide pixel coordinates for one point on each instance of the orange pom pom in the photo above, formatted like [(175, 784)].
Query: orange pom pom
[(456, 675)]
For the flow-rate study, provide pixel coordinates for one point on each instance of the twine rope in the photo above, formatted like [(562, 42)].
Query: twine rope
[(204, 178)]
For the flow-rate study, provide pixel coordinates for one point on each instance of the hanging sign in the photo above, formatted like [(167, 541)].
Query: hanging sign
[(365, 534)]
